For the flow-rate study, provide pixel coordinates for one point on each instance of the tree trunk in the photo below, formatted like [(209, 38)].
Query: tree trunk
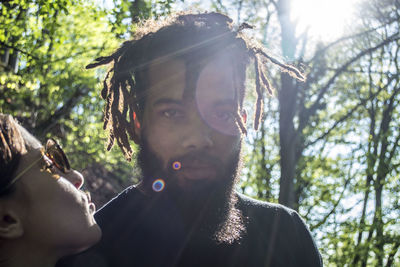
[(287, 109), (287, 136)]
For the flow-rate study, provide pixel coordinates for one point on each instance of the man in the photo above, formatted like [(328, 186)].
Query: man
[(177, 91)]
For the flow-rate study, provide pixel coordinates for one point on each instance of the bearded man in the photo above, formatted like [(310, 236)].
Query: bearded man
[(177, 91)]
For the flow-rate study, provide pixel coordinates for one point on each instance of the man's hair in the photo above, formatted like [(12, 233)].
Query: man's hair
[(191, 37)]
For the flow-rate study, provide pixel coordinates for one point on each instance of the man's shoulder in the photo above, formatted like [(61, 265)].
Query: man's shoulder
[(280, 228), (248, 204), (263, 215), (129, 198)]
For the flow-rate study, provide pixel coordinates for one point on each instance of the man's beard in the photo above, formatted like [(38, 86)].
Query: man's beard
[(207, 206)]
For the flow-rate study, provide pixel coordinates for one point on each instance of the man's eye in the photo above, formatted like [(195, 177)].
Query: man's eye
[(172, 113), (224, 115)]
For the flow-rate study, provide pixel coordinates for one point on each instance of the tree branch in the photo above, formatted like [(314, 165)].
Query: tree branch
[(392, 253), (314, 107), (362, 103), (42, 128), (323, 50), (19, 50), (312, 227)]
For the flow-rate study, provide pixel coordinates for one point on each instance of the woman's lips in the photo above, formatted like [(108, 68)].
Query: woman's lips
[(92, 207), (88, 200)]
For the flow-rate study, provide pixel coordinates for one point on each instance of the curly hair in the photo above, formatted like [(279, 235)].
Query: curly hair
[(193, 38)]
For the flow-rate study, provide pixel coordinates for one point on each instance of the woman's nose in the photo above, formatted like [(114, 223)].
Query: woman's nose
[(75, 178)]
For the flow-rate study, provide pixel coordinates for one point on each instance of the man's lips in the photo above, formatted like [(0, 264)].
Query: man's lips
[(198, 171), (198, 174), (197, 166)]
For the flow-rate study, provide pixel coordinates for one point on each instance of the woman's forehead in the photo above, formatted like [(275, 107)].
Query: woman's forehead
[(31, 142), (32, 156)]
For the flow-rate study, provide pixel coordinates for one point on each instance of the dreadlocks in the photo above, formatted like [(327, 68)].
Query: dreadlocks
[(193, 37)]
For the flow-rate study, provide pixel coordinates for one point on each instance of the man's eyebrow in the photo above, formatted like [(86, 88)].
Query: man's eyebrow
[(167, 101)]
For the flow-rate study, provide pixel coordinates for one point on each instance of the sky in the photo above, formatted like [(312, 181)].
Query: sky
[(326, 19)]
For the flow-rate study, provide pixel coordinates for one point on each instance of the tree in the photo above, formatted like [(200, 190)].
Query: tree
[(320, 139), (52, 94)]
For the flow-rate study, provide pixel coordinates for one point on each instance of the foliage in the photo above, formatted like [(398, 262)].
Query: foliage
[(51, 93), (342, 129)]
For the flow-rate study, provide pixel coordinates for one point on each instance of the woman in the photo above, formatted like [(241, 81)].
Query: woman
[(43, 214)]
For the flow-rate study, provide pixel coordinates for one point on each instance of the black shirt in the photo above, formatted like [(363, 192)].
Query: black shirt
[(139, 230)]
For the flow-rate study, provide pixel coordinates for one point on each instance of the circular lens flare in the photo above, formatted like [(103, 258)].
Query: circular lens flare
[(176, 165), (158, 185)]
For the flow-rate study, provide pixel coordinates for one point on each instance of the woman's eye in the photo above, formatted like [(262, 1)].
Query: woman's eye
[(49, 167)]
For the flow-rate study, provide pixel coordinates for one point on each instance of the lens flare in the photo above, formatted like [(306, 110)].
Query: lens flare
[(176, 165), (158, 185)]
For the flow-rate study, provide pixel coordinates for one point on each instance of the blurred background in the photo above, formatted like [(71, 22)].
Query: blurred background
[(328, 147)]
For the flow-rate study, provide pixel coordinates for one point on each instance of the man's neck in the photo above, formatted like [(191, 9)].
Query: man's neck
[(212, 214)]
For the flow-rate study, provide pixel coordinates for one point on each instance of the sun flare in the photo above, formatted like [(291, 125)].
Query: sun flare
[(326, 19)]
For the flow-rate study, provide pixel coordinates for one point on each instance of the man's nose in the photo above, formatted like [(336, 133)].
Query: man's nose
[(75, 178), (198, 134)]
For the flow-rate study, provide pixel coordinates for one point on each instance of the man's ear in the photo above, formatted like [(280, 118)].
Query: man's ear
[(136, 128), (244, 115), (10, 222)]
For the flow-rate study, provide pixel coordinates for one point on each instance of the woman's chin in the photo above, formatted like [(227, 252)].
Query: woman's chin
[(90, 238)]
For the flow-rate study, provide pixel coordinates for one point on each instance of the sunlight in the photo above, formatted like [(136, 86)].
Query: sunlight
[(326, 19)]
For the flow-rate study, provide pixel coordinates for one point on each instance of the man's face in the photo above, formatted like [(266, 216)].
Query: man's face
[(191, 122)]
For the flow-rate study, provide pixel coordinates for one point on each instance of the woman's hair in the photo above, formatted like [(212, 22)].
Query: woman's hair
[(191, 37), (12, 147)]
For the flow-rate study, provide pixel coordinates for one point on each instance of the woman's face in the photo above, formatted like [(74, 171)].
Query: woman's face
[(56, 214)]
